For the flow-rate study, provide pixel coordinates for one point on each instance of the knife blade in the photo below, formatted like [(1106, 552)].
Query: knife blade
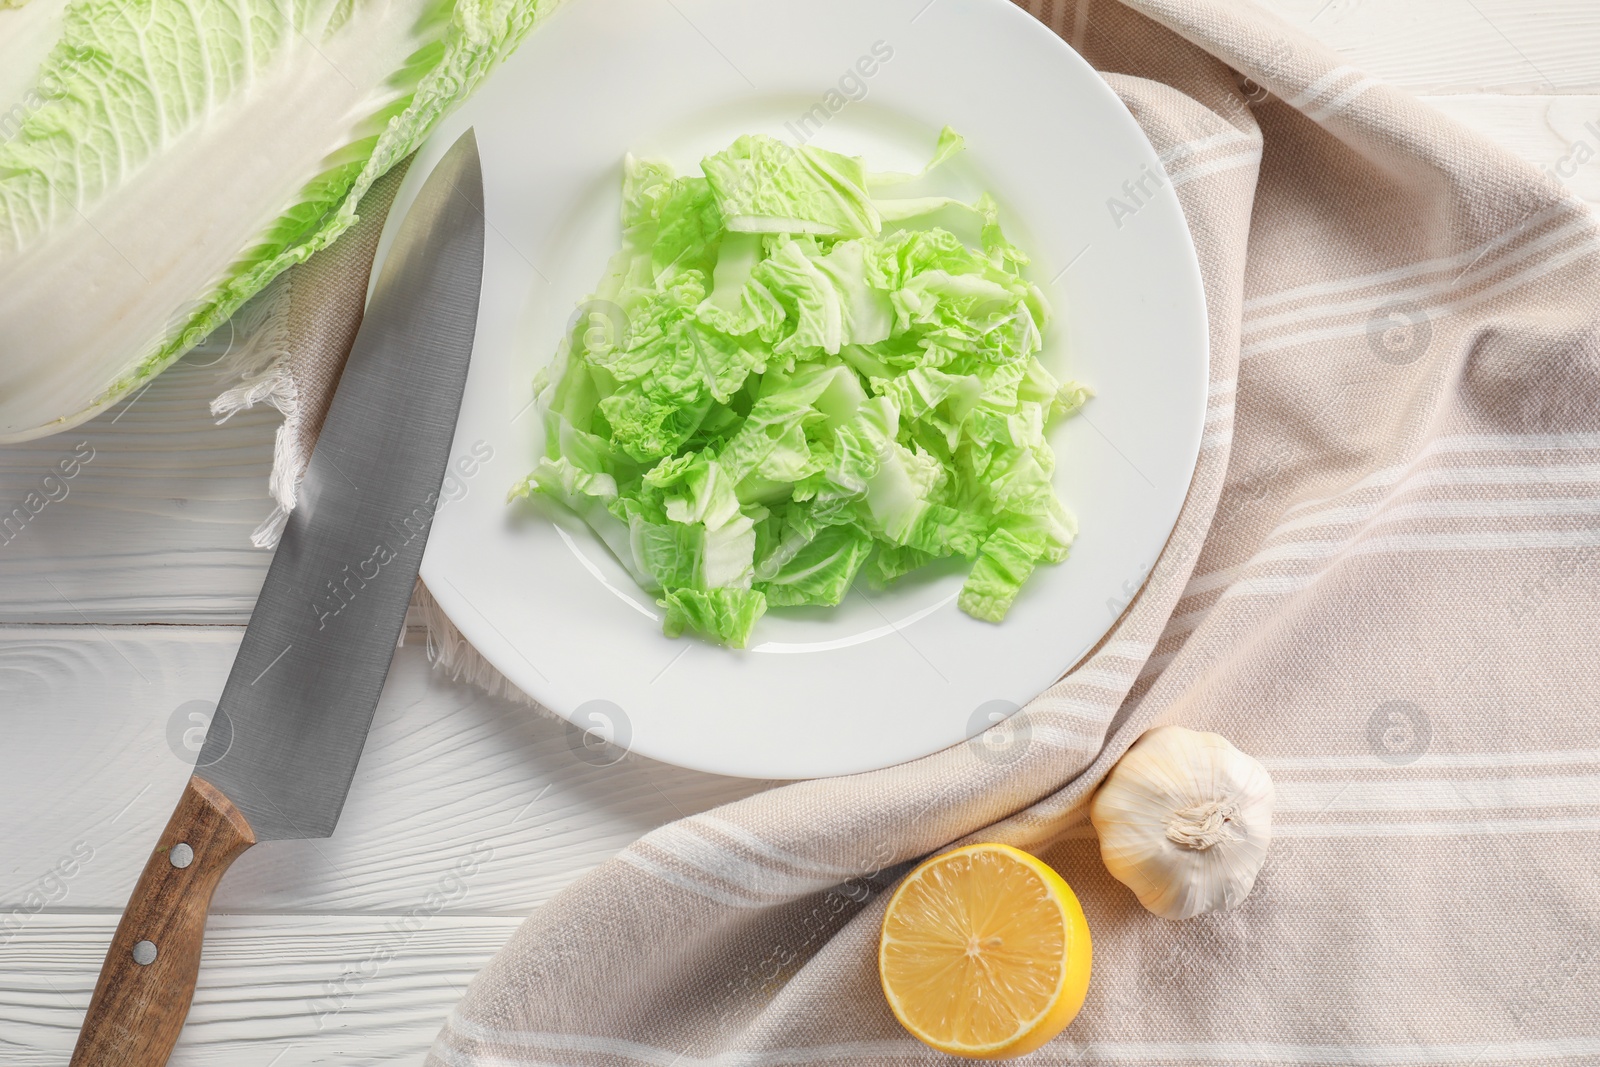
[(284, 742)]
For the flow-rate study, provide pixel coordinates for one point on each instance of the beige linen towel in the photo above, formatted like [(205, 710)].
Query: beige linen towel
[(1384, 585), (296, 336)]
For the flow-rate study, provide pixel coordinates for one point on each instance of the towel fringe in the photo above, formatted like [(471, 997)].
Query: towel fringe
[(259, 359), (453, 655)]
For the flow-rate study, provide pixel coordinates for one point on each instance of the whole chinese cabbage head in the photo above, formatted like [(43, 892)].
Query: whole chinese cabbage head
[(162, 160)]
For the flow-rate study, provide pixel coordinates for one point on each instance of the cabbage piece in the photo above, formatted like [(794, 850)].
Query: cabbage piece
[(1004, 564), (802, 397), (727, 615), (821, 571), (762, 185), (162, 160)]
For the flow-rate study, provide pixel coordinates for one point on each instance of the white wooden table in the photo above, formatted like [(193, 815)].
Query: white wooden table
[(122, 604)]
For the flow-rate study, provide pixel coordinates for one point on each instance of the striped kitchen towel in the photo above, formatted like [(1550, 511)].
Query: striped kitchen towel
[(1384, 584)]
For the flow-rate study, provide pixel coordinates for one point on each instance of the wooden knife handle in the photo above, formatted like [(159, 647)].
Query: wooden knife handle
[(148, 978)]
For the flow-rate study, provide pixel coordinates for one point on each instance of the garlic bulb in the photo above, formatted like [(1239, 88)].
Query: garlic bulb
[(1184, 821)]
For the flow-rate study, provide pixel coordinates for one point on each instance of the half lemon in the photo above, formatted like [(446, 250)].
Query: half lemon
[(984, 952)]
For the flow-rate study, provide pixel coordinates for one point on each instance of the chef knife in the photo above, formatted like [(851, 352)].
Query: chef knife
[(287, 733)]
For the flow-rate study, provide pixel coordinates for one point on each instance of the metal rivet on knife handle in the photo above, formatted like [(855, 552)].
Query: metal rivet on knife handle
[(181, 855), (144, 953)]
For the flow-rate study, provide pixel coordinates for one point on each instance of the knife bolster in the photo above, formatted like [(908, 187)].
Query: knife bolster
[(148, 978)]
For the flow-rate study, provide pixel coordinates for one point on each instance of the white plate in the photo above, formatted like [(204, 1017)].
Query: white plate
[(893, 676)]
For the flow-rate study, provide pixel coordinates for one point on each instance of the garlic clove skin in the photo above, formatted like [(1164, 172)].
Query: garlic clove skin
[(1184, 821)]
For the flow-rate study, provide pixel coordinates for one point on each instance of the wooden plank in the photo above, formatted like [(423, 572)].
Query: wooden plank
[(1497, 46), (449, 773), (289, 991), (156, 521)]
